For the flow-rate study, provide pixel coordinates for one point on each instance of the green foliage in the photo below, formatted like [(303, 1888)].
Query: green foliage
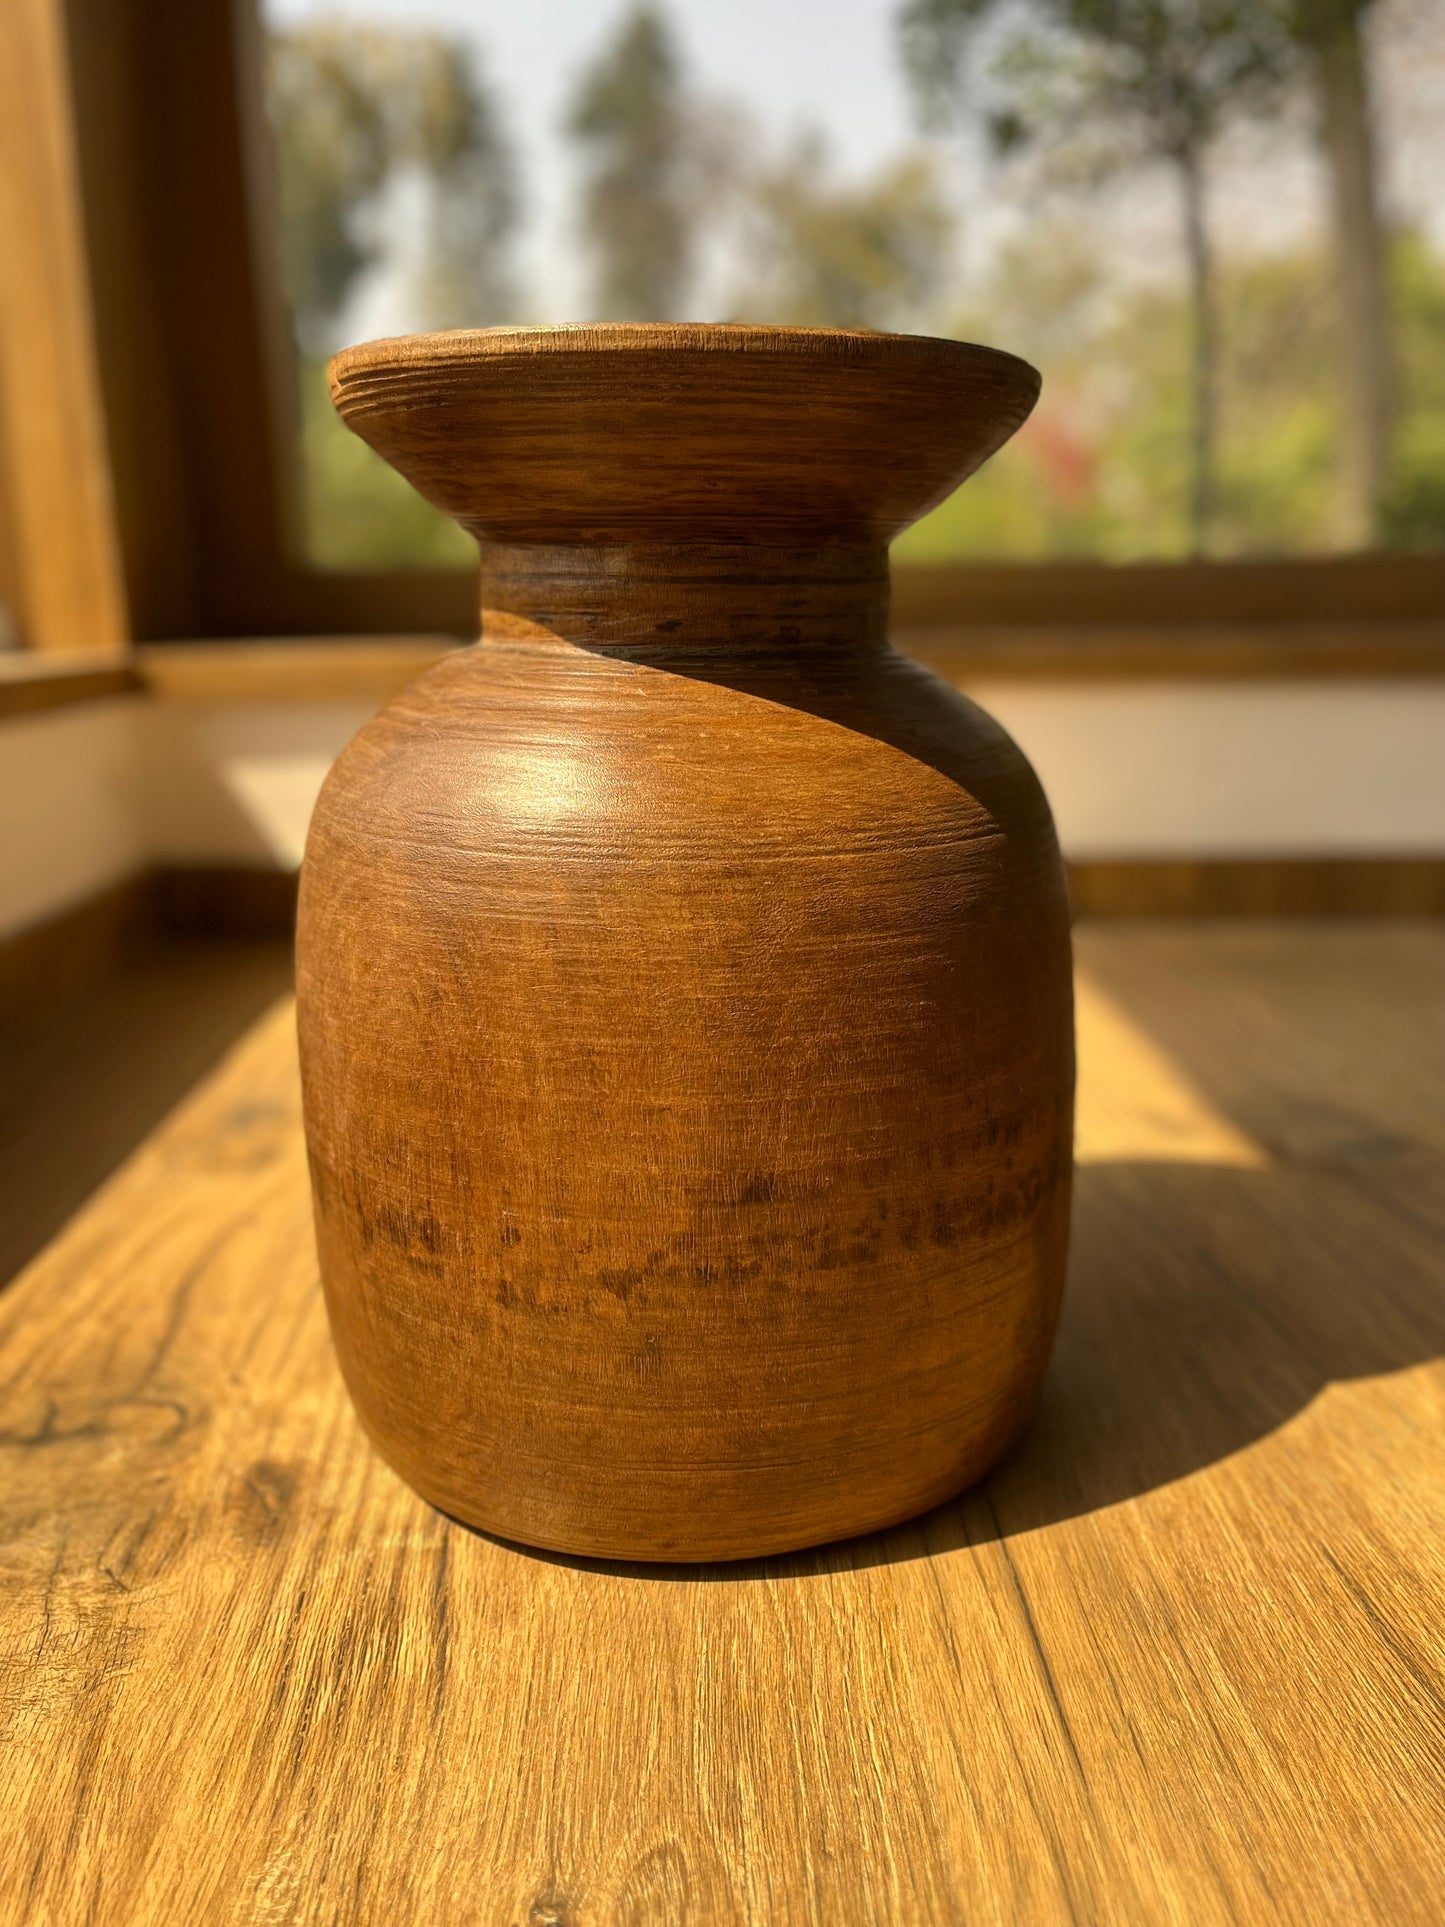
[(1102, 85), (937, 40), (351, 108), (628, 119), (1314, 23), (359, 513), (1101, 469), (333, 153), (1103, 81), (1414, 510), (455, 134), (824, 255)]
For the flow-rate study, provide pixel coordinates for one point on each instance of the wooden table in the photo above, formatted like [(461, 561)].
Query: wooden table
[(1180, 1660)]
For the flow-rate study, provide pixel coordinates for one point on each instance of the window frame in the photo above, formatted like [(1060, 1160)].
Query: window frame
[(172, 507)]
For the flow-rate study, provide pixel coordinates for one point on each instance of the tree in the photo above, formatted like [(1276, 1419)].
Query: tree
[(351, 109), (826, 255), (1107, 84), (1331, 37), (333, 154), (628, 118), (451, 127)]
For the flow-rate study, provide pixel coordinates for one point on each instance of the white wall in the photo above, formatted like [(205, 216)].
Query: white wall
[(236, 782), (1215, 769), (90, 794), (69, 821)]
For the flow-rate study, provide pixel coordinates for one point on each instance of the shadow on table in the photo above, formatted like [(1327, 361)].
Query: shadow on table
[(84, 1081), (1207, 1306)]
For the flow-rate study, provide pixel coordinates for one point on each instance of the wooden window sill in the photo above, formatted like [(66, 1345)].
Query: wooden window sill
[(288, 669), (1234, 652), (374, 668), (34, 682)]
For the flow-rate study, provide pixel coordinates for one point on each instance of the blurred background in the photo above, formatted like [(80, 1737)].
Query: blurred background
[(1204, 587), (1219, 229)]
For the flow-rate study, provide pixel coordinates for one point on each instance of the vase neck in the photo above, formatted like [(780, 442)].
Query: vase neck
[(686, 600)]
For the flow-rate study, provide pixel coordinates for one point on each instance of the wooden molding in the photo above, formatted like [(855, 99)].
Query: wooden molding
[(373, 668), (1365, 886), (91, 940), (222, 900), (54, 461), (31, 682), (75, 948), (301, 669), (1185, 651), (1375, 590), (263, 902)]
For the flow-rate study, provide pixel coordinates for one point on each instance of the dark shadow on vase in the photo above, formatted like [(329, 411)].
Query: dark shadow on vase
[(1207, 1306)]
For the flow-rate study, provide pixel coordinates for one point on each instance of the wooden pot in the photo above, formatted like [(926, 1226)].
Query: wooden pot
[(684, 975)]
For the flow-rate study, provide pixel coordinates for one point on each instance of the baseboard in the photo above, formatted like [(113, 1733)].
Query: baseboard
[(76, 947), (1261, 887), (79, 946), (221, 900)]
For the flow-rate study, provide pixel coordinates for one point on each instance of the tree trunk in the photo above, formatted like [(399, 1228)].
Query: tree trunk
[(1203, 352), (1368, 361)]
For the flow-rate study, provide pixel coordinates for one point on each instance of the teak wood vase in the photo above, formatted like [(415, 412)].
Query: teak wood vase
[(684, 982)]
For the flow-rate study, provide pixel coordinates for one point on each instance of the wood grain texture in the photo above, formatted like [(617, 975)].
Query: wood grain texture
[(310, 668), (683, 974), (662, 433), (1177, 1661), (55, 470)]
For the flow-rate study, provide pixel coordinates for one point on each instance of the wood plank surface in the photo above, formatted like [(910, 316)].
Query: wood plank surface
[(374, 668), (1179, 1660)]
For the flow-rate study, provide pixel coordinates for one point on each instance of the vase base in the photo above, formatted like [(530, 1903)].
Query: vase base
[(688, 1541)]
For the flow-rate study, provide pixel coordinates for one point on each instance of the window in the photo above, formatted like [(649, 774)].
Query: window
[(206, 200), (1212, 227)]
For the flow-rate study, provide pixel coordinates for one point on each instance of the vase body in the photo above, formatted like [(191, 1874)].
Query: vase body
[(687, 1057)]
